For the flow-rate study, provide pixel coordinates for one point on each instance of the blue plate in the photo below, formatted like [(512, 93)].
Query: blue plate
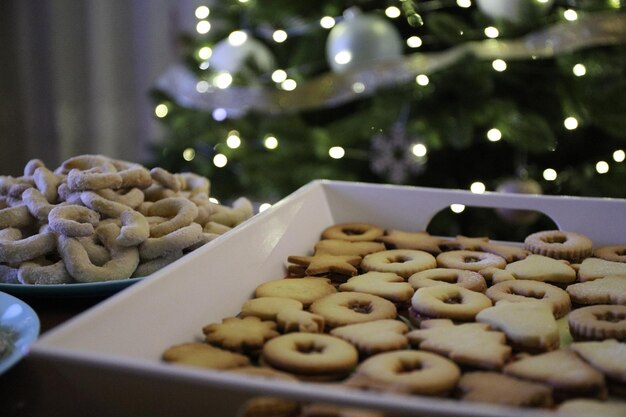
[(19, 325), (89, 289)]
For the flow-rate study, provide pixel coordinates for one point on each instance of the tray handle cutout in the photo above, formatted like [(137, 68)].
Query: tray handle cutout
[(502, 224)]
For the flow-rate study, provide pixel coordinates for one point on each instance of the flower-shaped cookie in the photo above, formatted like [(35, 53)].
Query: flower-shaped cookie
[(240, 335)]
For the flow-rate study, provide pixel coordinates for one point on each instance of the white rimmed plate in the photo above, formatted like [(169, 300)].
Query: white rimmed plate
[(19, 328)]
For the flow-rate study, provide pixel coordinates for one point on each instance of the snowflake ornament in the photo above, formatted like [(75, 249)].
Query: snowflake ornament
[(393, 157)]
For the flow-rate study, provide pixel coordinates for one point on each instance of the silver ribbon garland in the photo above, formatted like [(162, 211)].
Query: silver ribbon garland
[(330, 89)]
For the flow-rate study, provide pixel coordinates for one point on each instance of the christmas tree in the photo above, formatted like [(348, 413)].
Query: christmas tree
[(521, 96)]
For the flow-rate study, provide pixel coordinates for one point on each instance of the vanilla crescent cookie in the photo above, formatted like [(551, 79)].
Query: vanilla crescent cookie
[(310, 355), (559, 244), (407, 371), (598, 322), (404, 262), (461, 277), (469, 260), (345, 308), (449, 301), (525, 290), (353, 232)]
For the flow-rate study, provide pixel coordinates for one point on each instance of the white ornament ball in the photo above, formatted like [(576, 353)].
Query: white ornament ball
[(235, 52), (516, 11), (361, 40), (519, 186)]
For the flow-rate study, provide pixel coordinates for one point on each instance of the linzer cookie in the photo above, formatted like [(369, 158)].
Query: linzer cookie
[(525, 290), (407, 371), (558, 244), (449, 301), (469, 260), (598, 322), (353, 232), (613, 253), (437, 276), (346, 247), (310, 355), (404, 262), (345, 308)]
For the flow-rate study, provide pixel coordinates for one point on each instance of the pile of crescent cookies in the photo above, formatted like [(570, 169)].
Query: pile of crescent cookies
[(539, 325), (95, 219)]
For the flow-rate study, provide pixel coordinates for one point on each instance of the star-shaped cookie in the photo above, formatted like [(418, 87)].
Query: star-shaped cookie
[(400, 239), (326, 263), (240, 335)]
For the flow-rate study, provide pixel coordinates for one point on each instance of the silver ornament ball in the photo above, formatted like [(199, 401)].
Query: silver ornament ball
[(516, 11), (519, 186), (361, 40), (235, 52)]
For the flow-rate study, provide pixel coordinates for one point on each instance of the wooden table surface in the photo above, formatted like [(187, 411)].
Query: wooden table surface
[(25, 389)]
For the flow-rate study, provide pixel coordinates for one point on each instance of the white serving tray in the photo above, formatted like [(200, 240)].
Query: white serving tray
[(111, 353)]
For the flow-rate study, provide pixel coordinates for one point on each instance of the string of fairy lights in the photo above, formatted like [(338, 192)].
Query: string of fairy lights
[(281, 79)]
